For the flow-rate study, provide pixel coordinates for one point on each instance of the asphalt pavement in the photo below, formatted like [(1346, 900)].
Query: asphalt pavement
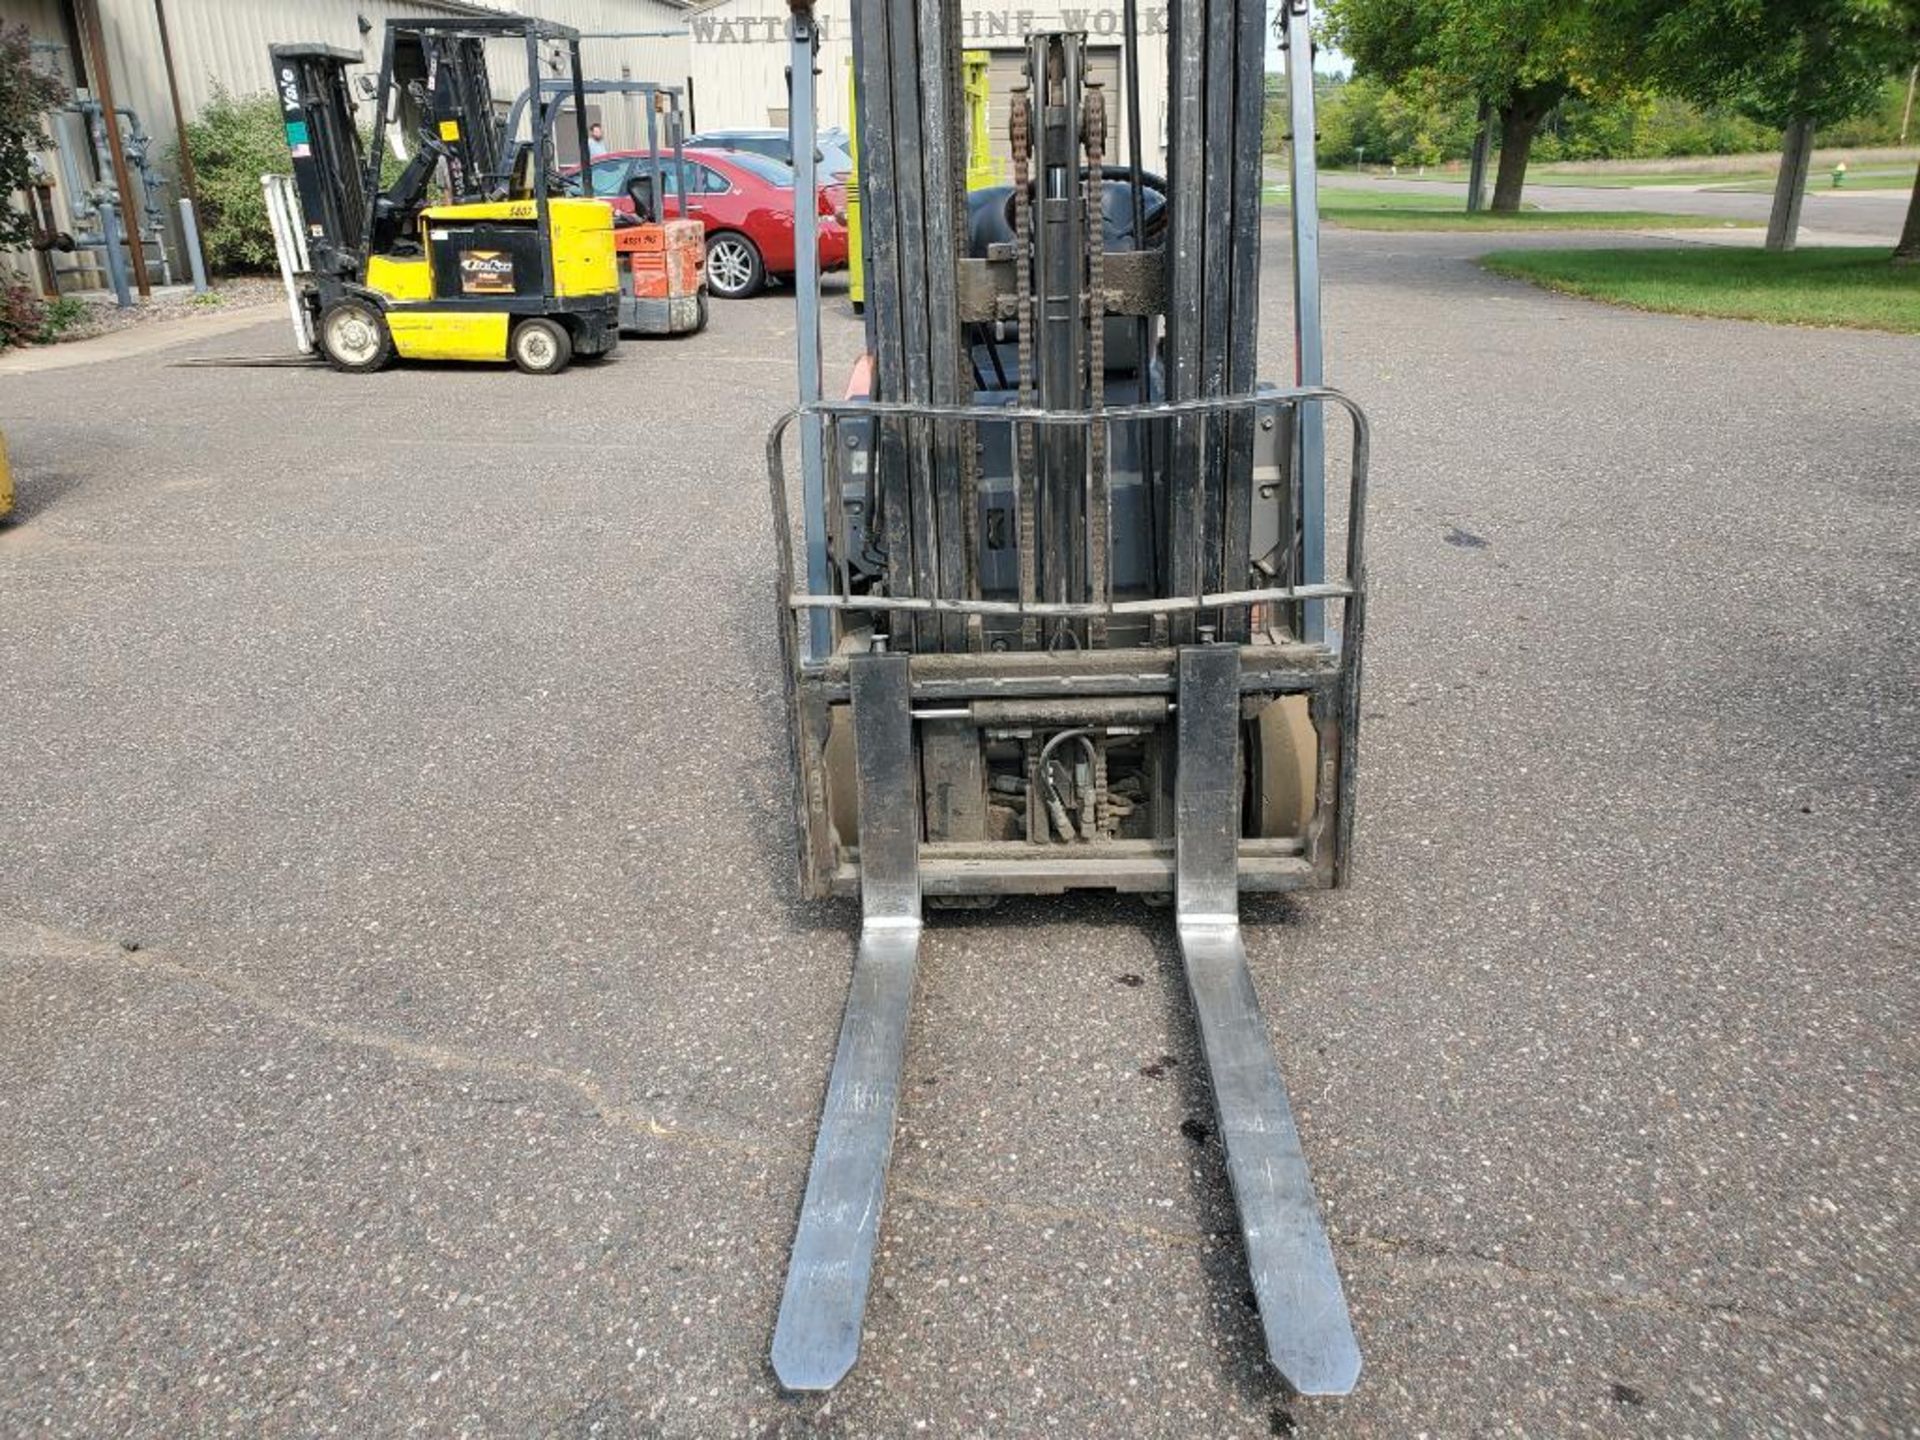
[(408, 1023)]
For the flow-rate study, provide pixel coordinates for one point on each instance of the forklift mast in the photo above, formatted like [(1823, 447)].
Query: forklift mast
[(434, 85), (1059, 615), (329, 162), (444, 78)]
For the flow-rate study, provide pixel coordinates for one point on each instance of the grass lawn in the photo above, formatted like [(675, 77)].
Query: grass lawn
[(1397, 210), (1594, 179), (1744, 181), (1821, 181), (1849, 286)]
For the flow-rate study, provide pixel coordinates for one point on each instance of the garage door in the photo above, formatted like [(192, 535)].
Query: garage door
[(1006, 67)]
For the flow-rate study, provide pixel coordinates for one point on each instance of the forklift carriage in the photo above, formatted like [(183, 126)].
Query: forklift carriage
[(1058, 616)]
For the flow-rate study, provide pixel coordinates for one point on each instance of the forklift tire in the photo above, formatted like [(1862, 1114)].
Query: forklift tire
[(540, 347), (354, 338), (1286, 762)]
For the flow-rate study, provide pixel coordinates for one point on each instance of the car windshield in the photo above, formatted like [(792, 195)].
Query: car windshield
[(771, 171)]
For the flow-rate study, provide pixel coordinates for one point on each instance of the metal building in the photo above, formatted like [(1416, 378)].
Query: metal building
[(739, 59), (222, 44)]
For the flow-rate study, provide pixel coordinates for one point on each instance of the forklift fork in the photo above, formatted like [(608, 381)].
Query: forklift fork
[(1303, 1311), (817, 1337)]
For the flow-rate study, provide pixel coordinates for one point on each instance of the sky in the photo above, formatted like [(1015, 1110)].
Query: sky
[(1327, 62)]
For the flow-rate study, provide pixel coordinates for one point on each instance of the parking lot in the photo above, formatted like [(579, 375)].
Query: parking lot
[(408, 1021)]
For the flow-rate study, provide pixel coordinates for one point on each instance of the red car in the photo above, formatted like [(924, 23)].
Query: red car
[(745, 202)]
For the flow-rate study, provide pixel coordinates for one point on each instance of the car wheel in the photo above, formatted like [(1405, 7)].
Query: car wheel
[(734, 268), (354, 337), (540, 347)]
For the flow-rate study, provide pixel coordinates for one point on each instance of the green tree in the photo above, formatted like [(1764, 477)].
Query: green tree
[(26, 95), (1795, 65), (1907, 252), (1523, 57)]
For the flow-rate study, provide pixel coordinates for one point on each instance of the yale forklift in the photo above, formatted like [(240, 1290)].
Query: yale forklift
[(1059, 615), (508, 267)]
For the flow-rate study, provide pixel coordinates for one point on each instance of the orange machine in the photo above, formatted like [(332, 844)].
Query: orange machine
[(662, 263), (662, 283)]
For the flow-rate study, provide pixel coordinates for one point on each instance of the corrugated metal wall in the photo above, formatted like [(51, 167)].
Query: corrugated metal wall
[(740, 56)]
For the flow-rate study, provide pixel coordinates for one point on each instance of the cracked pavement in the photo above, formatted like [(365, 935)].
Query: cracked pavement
[(408, 1024)]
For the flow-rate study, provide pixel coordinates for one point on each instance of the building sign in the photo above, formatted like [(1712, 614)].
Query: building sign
[(975, 26)]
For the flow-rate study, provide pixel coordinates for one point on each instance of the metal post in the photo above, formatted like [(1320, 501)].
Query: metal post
[(806, 291), (1310, 437), (659, 170), (110, 242), (87, 14), (1130, 56), (377, 149), (190, 234), (189, 181), (680, 156), (1477, 171)]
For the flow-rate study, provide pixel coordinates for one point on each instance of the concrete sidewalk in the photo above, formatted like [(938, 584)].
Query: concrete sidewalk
[(138, 340)]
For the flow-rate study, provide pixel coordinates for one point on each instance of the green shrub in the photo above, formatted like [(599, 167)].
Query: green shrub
[(1408, 124), (61, 314), (1879, 125), (26, 94), (236, 140)]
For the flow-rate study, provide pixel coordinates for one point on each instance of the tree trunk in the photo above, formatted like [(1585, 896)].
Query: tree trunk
[(1907, 252), (1518, 122), (1796, 156)]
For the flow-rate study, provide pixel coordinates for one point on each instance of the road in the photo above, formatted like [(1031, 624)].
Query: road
[(1827, 216), (408, 1022)]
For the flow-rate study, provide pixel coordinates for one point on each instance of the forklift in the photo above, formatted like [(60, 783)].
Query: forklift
[(982, 168), (507, 267), (1058, 616), (663, 281)]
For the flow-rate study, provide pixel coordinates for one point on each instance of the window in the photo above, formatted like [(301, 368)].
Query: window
[(701, 179), (771, 171), (609, 178)]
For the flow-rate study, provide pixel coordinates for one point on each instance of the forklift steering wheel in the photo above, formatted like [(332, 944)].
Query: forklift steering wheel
[(1151, 185)]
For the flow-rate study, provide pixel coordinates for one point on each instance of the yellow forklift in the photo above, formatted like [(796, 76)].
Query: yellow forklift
[(507, 267), (982, 168)]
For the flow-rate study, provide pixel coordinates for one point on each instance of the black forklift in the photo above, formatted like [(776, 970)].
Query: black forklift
[(506, 266)]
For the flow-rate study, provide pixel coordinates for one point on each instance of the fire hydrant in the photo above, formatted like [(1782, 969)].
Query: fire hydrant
[(1839, 174)]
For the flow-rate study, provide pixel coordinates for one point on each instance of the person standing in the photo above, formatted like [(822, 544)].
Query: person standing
[(596, 141)]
